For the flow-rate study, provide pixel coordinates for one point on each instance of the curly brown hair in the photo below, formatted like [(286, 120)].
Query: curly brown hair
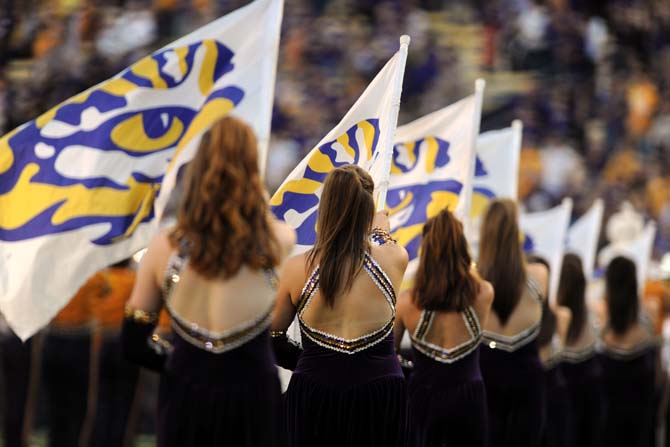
[(223, 216)]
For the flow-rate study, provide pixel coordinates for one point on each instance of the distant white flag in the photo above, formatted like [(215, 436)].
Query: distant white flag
[(496, 173), (544, 236), (433, 168), (84, 185), (583, 237), (638, 250), (358, 139)]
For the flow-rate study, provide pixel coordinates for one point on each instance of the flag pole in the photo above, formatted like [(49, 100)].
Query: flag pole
[(480, 84), (517, 137), (599, 207), (390, 136)]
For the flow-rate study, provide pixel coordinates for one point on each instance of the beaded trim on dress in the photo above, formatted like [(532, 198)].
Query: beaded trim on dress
[(438, 353), (511, 343), (212, 341)]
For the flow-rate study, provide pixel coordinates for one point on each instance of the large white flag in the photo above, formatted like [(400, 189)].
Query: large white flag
[(83, 185), (583, 237), (433, 167), (358, 139), (544, 236)]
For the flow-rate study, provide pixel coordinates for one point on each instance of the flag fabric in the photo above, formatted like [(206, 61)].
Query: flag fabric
[(496, 174), (432, 169), (357, 139), (83, 185), (583, 237), (544, 235), (638, 250), (497, 169)]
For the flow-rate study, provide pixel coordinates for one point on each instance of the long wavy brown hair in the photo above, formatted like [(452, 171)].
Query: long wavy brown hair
[(343, 224), (222, 218), (443, 280), (501, 259)]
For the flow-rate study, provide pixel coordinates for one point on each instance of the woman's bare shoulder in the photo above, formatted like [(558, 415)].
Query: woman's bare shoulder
[(285, 235)]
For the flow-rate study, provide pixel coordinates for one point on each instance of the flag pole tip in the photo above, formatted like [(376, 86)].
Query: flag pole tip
[(404, 39), (480, 84)]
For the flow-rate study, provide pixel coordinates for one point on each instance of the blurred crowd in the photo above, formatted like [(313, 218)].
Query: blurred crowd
[(595, 98)]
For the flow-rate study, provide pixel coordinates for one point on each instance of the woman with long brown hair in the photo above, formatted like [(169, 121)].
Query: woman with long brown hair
[(347, 387), (629, 360), (444, 312), (214, 273), (580, 362), (509, 357)]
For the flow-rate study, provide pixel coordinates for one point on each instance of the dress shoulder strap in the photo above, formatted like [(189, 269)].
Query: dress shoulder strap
[(472, 321), (424, 324), (172, 276), (308, 290), (534, 288)]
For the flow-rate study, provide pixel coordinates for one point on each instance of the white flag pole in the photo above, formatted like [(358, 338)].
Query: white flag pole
[(387, 145), (589, 260), (270, 47), (480, 85), (517, 127)]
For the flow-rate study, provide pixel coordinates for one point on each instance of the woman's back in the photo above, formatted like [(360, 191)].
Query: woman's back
[(365, 306), (343, 294), (443, 315), (528, 311), (629, 370), (214, 274), (220, 305), (448, 330), (512, 369)]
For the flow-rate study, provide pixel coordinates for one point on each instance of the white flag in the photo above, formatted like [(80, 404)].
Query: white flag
[(83, 185), (583, 237), (544, 236), (432, 169), (357, 139), (496, 173), (638, 250)]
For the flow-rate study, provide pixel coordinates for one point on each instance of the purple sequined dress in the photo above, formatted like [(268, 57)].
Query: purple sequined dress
[(218, 388), (447, 398), (629, 378), (515, 385), (583, 374), (347, 392)]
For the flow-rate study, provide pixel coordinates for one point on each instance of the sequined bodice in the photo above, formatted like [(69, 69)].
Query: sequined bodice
[(212, 341), (627, 354), (349, 346), (438, 353), (573, 355), (511, 343)]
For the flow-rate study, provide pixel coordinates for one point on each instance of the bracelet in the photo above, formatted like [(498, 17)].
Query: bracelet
[(380, 236), (139, 315), (404, 363), (160, 345)]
